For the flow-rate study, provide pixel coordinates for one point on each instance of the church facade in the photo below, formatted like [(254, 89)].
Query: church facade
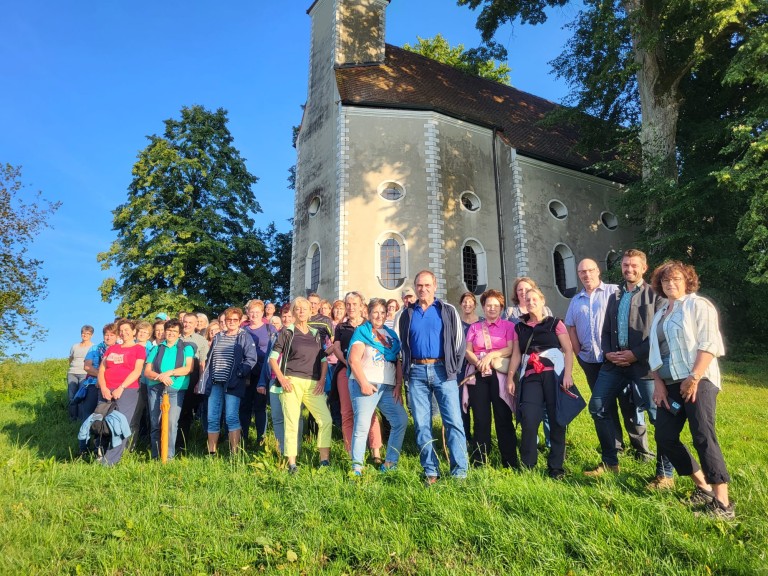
[(405, 164)]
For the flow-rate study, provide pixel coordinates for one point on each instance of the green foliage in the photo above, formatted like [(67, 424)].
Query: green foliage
[(682, 87), (482, 61), (199, 515), (186, 238), (21, 220), (279, 246)]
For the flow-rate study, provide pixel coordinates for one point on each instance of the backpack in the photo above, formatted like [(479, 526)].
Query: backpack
[(180, 345), (99, 427)]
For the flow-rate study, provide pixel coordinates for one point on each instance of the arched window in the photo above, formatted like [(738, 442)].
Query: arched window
[(565, 270), (312, 268), (612, 259), (314, 206), (474, 267), (391, 260)]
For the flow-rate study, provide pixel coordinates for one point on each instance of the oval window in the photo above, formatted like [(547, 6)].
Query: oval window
[(609, 220), (391, 191), (314, 206), (558, 209), (470, 201)]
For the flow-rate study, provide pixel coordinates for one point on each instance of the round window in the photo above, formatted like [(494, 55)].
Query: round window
[(470, 201), (391, 191), (609, 220), (558, 209)]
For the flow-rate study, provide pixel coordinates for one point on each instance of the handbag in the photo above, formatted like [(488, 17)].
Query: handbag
[(498, 364), (568, 404)]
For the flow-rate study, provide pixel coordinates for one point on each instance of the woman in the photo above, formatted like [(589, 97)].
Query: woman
[(543, 346), (338, 312), (325, 308), (158, 332), (210, 332), (269, 312), (467, 307), (519, 290), (376, 380), (255, 401), (228, 368), (167, 372), (276, 323), (392, 307), (487, 341), (140, 424), (76, 373), (91, 366), (354, 304), (685, 344), (119, 380), (300, 378)]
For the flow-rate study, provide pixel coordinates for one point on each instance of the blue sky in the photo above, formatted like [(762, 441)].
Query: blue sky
[(86, 82)]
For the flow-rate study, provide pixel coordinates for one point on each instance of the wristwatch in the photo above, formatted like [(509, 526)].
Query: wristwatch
[(696, 377)]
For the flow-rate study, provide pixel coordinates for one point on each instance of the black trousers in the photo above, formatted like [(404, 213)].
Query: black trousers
[(483, 398), (638, 435), (536, 391), (701, 422)]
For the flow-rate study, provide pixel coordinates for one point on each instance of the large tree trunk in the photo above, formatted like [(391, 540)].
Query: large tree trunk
[(659, 95)]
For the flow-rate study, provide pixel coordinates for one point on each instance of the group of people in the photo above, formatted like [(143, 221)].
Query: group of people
[(646, 349)]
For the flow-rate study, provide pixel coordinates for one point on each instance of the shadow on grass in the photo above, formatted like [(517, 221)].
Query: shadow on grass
[(44, 427)]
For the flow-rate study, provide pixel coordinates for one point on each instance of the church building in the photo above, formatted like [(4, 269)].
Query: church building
[(405, 163)]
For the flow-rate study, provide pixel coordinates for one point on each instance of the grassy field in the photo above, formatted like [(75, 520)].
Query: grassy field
[(60, 515)]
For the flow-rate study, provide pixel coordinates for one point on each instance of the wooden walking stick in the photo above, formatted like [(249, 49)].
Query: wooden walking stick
[(165, 408)]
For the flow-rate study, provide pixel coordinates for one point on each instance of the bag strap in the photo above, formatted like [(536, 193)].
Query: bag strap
[(486, 337)]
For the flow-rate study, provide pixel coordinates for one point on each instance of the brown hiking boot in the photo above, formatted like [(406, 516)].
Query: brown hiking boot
[(601, 469), (661, 483)]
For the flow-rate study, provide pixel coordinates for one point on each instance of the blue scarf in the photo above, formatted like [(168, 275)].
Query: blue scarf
[(364, 333)]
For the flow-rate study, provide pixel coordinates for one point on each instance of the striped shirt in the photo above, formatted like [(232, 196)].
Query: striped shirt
[(223, 357)]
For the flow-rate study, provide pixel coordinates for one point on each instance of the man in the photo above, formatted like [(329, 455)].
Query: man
[(408, 296), (584, 321), (191, 401), (319, 322), (624, 341), (433, 347), (202, 324)]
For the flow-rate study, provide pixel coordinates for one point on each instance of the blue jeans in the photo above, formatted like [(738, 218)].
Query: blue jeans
[(155, 398), (364, 407), (610, 383), (230, 403), (424, 380)]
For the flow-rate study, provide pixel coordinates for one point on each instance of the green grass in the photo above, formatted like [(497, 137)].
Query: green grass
[(60, 515)]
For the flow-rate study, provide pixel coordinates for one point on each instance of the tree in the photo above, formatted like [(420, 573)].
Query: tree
[(22, 285), (279, 246), (186, 237), (480, 61), (641, 50)]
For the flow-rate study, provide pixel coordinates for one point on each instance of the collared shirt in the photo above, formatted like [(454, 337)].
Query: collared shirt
[(586, 313), (168, 362), (691, 326), (625, 302), (425, 333), (501, 332)]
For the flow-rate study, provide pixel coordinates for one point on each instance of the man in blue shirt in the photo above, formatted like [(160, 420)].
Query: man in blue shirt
[(584, 321), (624, 341), (433, 347)]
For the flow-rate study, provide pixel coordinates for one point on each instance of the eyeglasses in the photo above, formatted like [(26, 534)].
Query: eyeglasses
[(232, 319), (588, 271)]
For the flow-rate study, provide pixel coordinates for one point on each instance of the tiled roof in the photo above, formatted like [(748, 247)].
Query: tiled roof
[(411, 81)]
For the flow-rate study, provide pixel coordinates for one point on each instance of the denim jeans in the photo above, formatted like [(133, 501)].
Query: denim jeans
[(218, 400), (424, 380), (126, 404), (363, 408), (610, 383), (155, 398), (73, 385)]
